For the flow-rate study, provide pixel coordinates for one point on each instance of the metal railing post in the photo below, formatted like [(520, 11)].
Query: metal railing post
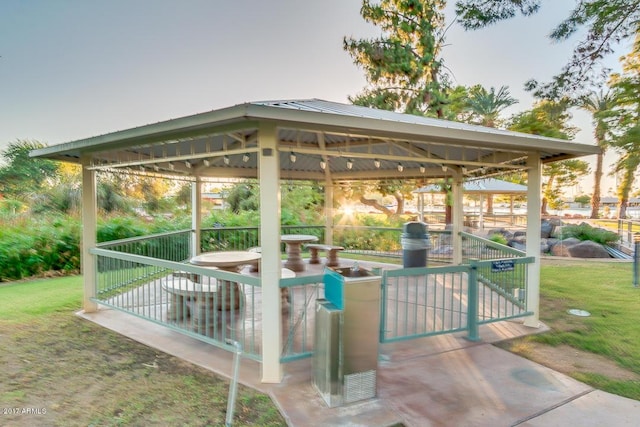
[(636, 259), (383, 303), (472, 306), (233, 387)]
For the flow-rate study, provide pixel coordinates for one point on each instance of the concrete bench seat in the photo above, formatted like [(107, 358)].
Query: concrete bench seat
[(189, 298), (331, 250)]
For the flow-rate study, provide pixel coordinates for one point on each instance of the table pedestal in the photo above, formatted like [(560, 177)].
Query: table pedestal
[(229, 293), (294, 260), (294, 243)]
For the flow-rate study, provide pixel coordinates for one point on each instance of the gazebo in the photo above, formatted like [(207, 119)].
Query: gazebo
[(307, 140), (483, 187)]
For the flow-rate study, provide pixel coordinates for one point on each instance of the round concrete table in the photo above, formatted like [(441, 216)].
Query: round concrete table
[(228, 261), (294, 242)]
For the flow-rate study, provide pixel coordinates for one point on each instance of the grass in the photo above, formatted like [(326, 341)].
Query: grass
[(605, 290), (23, 302), (82, 374)]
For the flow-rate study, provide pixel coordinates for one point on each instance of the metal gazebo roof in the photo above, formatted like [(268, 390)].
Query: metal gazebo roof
[(316, 139), (484, 186)]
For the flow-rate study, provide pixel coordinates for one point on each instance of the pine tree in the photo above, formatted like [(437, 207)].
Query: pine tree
[(403, 66)]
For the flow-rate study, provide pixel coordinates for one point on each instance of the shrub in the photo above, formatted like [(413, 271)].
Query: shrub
[(586, 232), (32, 247), (498, 238)]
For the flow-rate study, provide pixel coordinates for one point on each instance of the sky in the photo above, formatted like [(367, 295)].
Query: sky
[(72, 69)]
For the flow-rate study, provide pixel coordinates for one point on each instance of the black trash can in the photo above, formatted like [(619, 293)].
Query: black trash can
[(415, 244)]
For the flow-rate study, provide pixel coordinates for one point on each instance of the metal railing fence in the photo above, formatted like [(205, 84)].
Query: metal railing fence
[(385, 242), (419, 302), (201, 302), (197, 301), (170, 246), (503, 294), (146, 277), (243, 238), (479, 248)]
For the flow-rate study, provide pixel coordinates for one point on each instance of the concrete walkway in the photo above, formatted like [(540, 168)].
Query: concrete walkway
[(437, 381)]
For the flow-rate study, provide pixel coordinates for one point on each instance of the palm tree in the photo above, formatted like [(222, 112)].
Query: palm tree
[(486, 106), (627, 164), (599, 105)]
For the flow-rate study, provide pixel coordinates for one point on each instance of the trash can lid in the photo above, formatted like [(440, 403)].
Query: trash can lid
[(415, 229)]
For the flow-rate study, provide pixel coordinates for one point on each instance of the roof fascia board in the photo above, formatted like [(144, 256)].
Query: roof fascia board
[(223, 120)]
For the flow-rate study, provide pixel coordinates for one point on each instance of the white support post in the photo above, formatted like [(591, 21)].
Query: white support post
[(89, 233), (481, 217), (328, 212), (513, 221), (196, 216), (271, 264), (328, 194), (534, 202), (457, 218)]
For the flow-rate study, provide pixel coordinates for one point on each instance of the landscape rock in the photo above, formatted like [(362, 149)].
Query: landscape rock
[(588, 249), (544, 246), (556, 222), (546, 228), (551, 242), (562, 248), (557, 231), (517, 244), (519, 235)]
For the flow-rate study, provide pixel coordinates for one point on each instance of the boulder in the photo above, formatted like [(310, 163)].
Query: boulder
[(588, 249), (562, 248), (520, 235), (546, 228), (551, 242), (556, 222), (544, 246), (517, 244)]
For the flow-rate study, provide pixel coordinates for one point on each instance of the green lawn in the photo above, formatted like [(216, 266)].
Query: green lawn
[(30, 300), (604, 289), (81, 374)]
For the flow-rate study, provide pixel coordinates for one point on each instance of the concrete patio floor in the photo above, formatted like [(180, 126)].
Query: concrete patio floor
[(443, 380)]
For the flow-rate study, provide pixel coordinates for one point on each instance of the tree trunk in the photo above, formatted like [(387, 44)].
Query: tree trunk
[(400, 200), (489, 204), (448, 214), (595, 198), (543, 207), (625, 186), (545, 195)]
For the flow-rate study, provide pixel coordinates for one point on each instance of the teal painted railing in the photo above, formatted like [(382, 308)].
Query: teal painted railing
[(478, 248), (182, 297), (243, 238), (146, 277), (419, 302), (372, 241), (187, 298), (170, 246)]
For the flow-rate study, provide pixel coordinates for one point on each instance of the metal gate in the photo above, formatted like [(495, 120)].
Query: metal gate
[(419, 302)]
